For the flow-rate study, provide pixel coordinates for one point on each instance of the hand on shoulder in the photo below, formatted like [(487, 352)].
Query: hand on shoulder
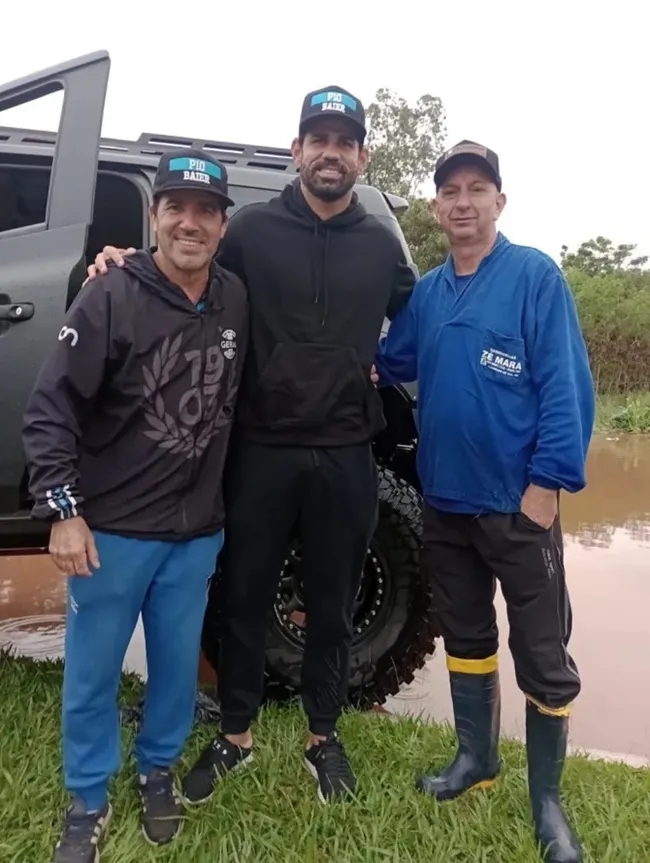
[(108, 253)]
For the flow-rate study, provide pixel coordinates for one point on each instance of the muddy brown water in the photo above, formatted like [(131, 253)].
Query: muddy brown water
[(607, 541)]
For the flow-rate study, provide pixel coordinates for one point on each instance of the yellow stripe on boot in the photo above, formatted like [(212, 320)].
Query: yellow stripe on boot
[(550, 711), (473, 666)]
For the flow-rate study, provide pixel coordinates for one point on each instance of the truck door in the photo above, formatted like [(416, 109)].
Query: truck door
[(38, 260)]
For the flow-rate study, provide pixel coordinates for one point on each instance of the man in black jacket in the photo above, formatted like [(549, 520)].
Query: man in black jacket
[(126, 433), (322, 274)]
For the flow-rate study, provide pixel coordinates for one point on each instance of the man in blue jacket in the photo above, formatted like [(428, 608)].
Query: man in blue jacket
[(506, 411)]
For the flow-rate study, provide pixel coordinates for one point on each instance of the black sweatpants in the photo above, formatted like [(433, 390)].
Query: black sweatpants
[(332, 493), (463, 554)]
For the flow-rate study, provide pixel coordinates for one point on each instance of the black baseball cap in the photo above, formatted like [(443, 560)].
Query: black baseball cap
[(467, 153), (192, 169), (333, 101)]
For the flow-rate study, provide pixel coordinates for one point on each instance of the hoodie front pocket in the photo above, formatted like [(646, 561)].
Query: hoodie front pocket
[(308, 384), (503, 358)]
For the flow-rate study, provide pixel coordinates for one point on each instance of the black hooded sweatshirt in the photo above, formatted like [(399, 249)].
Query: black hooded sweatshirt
[(319, 292), (129, 419)]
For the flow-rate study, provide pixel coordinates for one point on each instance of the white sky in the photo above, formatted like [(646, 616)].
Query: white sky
[(558, 89)]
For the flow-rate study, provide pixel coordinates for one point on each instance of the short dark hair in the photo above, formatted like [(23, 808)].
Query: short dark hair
[(359, 138), (155, 201)]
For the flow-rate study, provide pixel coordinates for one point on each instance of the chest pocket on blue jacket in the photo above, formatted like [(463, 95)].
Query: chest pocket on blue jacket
[(503, 358)]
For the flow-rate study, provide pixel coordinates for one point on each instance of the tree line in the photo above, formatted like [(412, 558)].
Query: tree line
[(610, 283)]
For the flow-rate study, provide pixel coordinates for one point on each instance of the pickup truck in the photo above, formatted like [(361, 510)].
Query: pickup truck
[(65, 195)]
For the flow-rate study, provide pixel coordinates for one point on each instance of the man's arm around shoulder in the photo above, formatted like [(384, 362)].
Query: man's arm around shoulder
[(396, 360), (405, 277)]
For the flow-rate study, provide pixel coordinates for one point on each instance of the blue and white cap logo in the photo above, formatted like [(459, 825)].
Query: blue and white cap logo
[(332, 100), (196, 170)]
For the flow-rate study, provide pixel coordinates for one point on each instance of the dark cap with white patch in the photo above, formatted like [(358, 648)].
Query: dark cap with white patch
[(333, 101), (192, 169)]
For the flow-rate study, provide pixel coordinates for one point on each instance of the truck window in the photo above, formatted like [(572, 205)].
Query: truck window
[(118, 214), (245, 195), (23, 196), (23, 188)]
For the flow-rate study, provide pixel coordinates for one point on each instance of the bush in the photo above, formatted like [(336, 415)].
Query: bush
[(629, 413), (614, 311)]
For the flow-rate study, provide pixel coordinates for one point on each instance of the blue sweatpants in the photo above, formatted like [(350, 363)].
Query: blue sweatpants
[(167, 582)]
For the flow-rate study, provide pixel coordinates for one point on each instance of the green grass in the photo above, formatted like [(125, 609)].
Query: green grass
[(270, 813), (625, 413)]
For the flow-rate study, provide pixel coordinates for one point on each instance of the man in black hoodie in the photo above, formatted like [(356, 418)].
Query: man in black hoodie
[(126, 433), (322, 274)]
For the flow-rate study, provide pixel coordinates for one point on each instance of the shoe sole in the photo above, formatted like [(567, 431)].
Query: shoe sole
[(102, 835), (483, 785), (166, 841), (310, 767), (239, 766)]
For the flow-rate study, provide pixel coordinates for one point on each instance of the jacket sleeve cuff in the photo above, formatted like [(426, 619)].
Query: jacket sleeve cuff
[(58, 504), (545, 482)]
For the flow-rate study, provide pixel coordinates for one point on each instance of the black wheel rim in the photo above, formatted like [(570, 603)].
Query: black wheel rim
[(371, 604)]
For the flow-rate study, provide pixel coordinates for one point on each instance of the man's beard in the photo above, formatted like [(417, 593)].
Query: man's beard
[(328, 190)]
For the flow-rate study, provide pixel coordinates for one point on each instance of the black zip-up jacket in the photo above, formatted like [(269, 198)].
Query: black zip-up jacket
[(129, 419), (318, 292)]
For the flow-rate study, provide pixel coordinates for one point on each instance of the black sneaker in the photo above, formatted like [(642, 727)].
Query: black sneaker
[(162, 811), (329, 765), (81, 833), (218, 758)]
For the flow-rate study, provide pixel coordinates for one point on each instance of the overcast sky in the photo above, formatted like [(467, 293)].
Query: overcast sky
[(558, 89)]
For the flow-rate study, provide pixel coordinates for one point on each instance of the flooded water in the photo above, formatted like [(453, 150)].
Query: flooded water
[(607, 556), (607, 541)]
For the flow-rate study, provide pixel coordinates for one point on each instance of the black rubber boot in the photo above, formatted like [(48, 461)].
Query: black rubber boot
[(477, 714), (546, 744)]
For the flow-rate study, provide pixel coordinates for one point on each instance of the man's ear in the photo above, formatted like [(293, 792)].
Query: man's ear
[(502, 200), (363, 159), (433, 208), (224, 225), (296, 152)]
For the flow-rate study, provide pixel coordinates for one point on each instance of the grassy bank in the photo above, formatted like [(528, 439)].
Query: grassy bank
[(270, 814), (624, 413)]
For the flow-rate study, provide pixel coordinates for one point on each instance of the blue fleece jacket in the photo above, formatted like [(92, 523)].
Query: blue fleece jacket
[(505, 392)]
